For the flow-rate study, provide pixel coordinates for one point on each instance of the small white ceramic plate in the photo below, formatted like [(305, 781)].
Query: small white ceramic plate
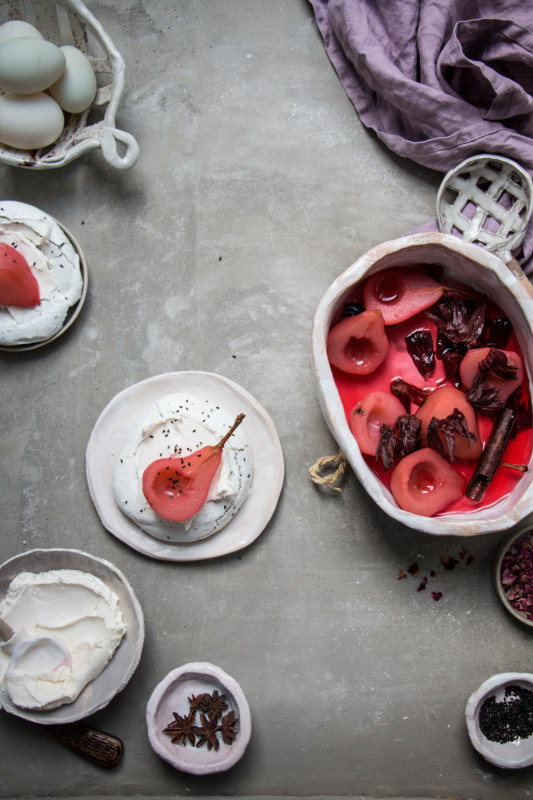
[(524, 530), (172, 695), (511, 755), (99, 692), (124, 410), (14, 210)]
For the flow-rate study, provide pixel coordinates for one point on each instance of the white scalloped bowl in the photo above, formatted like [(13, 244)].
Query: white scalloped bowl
[(510, 755), (172, 695), (467, 264), (70, 22)]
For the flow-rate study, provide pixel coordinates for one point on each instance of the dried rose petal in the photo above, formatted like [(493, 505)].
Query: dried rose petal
[(422, 585), (516, 575), (436, 595), (402, 575), (413, 570), (449, 562)]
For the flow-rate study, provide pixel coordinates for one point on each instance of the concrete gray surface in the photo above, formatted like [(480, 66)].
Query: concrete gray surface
[(256, 186)]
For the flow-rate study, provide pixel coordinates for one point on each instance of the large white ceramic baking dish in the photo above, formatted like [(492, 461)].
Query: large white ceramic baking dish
[(470, 265)]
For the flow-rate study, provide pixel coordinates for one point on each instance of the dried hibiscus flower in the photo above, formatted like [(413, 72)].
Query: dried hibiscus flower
[(497, 333), (449, 426), (386, 448), (420, 348), (408, 393), (497, 362), (483, 395), (461, 321), (408, 430)]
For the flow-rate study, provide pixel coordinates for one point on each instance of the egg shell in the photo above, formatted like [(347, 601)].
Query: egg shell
[(15, 28), (76, 88), (29, 122), (29, 65)]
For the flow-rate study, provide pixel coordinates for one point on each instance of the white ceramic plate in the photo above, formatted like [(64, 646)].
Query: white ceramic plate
[(465, 263), (14, 209), (99, 692), (511, 755), (122, 413), (172, 695)]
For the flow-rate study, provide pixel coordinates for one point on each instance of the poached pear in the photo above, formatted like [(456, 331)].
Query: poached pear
[(177, 487), (18, 285)]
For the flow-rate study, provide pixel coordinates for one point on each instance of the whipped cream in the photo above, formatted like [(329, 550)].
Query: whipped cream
[(55, 264), (178, 425), (73, 607)]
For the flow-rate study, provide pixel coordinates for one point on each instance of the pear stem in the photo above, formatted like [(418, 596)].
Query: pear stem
[(235, 425)]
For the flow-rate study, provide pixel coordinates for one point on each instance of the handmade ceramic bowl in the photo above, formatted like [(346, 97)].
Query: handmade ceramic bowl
[(467, 264), (509, 546), (173, 696), (510, 754), (112, 680), (69, 22)]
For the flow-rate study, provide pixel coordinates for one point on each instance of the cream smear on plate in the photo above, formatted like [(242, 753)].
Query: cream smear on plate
[(178, 424), (72, 606), (53, 261)]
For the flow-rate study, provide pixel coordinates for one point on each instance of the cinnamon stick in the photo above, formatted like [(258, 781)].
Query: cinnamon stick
[(492, 455)]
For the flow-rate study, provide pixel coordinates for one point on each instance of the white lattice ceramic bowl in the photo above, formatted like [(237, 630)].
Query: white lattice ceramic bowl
[(70, 22), (467, 264)]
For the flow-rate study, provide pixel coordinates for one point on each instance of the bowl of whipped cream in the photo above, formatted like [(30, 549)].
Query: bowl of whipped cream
[(55, 594), (47, 257)]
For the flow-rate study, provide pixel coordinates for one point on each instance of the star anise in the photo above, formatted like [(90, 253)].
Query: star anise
[(461, 321), (182, 728), (214, 704), (207, 732), (196, 701), (228, 727), (449, 426), (420, 347)]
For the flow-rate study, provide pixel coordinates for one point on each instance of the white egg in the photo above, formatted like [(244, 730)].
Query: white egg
[(29, 121), (17, 27), (76, 88), (29, 65)]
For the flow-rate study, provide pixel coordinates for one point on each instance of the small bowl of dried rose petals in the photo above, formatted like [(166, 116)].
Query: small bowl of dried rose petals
[(198, 719), (513, 574)]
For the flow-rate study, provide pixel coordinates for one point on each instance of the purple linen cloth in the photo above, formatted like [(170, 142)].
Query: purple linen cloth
[(438, 80)]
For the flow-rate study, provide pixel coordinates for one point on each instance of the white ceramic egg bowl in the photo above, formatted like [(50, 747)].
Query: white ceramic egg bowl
[(468, 264), (70, 22)]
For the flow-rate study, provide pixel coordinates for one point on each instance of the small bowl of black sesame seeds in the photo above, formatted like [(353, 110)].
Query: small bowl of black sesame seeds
[(499, 719), (513, 574)]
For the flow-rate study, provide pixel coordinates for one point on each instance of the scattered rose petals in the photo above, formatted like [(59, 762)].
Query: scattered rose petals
[(422, 585), (402, 575), (449, 562), (436, 595), (413, 570)]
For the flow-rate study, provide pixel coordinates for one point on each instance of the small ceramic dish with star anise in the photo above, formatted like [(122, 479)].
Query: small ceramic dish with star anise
[(198, 719)]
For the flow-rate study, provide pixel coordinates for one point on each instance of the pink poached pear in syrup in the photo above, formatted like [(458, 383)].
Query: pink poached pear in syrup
[(177, 488), (470, 367), (400, 293), (358, 345), (18, 285), (402, 296), (376, 409), (425, 483)]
